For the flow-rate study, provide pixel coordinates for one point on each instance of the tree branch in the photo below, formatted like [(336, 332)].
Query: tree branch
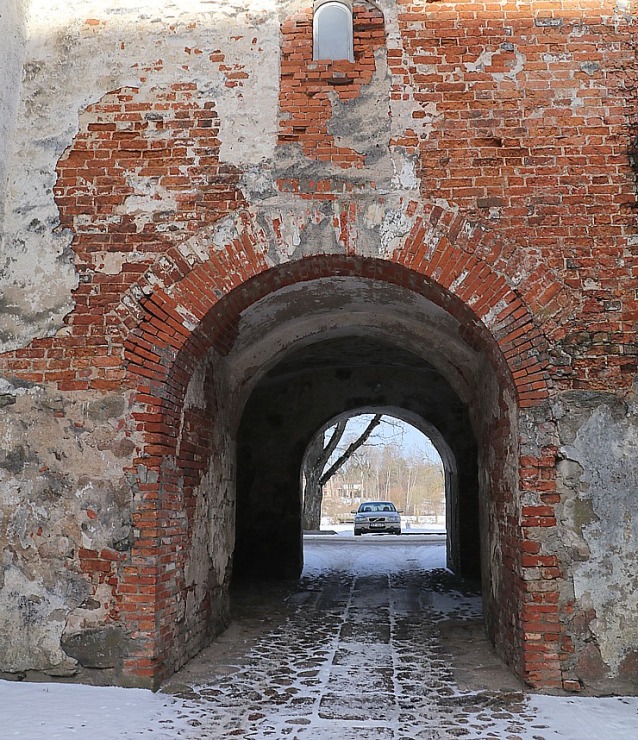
[(374, 422), (335, 438)]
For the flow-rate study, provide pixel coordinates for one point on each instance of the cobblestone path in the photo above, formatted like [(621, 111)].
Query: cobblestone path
[(347, 655)]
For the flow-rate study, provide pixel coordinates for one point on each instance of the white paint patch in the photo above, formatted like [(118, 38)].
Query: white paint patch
[(111, 263), (225, 233), (249, 124), (485, 60), (456, 284), (490, 317), (405, 177), (393, 229), (147, 199)]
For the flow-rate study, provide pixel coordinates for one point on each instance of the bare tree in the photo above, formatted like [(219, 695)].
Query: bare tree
[(414, 481), (315, 473)]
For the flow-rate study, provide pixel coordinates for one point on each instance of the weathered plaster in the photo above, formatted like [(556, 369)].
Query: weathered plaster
[(79, 51), (76, 52), (599, 485), (365, 124), (13, 25), (407, 115)]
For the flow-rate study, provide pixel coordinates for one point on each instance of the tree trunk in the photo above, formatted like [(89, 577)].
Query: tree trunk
[(312, 504), (313, 491), (317, 459)]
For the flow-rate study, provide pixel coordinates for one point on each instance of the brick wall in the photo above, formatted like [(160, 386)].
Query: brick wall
[(307, 85), (522, 227)]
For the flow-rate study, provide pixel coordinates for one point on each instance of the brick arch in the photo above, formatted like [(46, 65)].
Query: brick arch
[(192, 298), (191, 301)]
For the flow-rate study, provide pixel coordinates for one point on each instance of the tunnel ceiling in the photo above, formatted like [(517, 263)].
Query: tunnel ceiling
[(347, 353), (366, 322)]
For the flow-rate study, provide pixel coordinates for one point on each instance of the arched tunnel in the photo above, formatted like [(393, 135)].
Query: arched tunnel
[(291, 354), (297, 397), (310, 351)]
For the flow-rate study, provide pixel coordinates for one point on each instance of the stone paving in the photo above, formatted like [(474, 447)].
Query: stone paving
[(345, 655)]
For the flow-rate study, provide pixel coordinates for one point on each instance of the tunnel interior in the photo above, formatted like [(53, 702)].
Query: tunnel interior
[(304, 392), (292, 354), (313, 350)]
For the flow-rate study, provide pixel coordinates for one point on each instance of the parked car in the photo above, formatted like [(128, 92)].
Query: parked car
[(377, 516)]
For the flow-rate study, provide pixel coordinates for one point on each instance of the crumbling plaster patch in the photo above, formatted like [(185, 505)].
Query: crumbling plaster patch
[(377, 124), (403, 107), (76, 52), (364, 124), (598, 480), (485, 61), (369, 124), (13, 24), (302, 228)]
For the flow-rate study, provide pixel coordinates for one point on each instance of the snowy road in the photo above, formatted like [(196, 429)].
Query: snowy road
[(357, 660), (358, 651)]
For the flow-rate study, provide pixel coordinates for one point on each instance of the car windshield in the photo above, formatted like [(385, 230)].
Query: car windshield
[(376, 507)]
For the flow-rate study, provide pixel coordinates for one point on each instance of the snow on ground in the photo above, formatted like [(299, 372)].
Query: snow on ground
[(40, 711), (34, 711), (585, 718), (342, 553)]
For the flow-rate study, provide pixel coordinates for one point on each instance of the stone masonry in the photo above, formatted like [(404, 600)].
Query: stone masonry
[(213, 246)]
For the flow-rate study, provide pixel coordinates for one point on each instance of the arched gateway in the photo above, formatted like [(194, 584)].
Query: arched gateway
[(231, 363), (213, 243), (220, 342)]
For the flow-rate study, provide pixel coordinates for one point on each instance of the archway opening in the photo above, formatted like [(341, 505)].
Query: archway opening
[(314, 384), (280, 358), (373, 458), (311, 352)]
